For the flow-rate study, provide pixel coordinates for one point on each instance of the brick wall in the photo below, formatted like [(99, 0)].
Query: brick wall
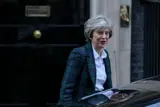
[(137, 42)]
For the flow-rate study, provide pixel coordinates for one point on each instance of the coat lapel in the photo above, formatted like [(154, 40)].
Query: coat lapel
[(91, 64), (92, 70), (106, 65), (108, 83)]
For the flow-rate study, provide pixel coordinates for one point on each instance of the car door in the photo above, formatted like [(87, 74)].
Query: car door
[(32, 67)]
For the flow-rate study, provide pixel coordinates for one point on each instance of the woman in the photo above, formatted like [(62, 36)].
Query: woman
[(88, 67)]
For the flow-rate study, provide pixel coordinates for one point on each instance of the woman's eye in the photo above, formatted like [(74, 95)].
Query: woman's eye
[(100, 32), (106, 33)]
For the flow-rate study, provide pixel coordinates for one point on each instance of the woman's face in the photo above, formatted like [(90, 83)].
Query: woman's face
[(100, 38)]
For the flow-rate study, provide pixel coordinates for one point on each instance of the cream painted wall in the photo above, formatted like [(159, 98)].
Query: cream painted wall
[(125, 49), (119, 45)]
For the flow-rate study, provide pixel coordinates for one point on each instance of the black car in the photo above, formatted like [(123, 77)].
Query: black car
[(142, 93)]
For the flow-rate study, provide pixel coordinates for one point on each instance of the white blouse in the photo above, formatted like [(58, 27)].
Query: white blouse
[(100, 70)]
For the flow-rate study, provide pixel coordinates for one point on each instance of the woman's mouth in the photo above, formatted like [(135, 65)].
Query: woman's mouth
[(102, 42)]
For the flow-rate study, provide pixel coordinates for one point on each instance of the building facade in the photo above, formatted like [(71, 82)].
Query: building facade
[(32, 67), (134, 50)]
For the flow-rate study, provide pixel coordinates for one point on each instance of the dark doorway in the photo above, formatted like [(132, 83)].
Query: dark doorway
[(151, 39), (32, 69)]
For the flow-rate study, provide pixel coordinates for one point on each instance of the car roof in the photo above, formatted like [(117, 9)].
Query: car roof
[(142, 90), (148, 84)]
